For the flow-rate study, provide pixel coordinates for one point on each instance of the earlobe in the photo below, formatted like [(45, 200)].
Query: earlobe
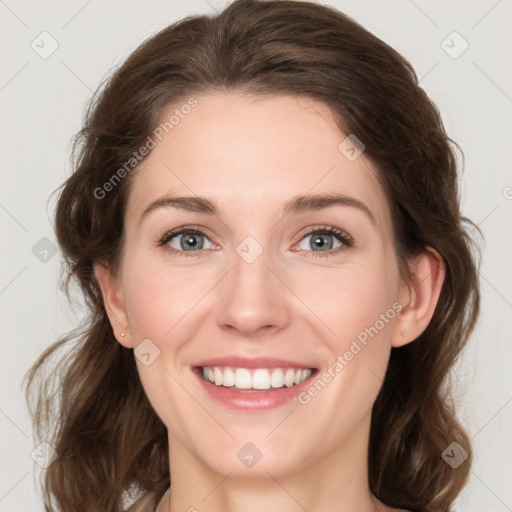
[(113, 301), (419, 296)]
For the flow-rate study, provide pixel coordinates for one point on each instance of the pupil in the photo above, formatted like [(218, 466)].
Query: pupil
[(190, 241), (321, 242)]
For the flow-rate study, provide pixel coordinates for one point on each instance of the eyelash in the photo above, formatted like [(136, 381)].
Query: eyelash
[(342, 237)]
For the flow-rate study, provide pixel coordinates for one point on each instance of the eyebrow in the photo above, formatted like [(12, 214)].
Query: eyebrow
[(296, 205)]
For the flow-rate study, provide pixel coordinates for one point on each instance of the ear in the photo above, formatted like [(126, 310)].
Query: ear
[(419, 296), (113, 301)]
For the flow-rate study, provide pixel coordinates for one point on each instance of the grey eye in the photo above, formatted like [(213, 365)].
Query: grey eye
[(319, 242), (189, 241)]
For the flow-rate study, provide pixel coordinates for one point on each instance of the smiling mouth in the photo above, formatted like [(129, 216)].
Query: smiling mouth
[(252, 380)]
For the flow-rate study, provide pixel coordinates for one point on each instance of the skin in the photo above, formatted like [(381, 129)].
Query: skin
[(250, 155)]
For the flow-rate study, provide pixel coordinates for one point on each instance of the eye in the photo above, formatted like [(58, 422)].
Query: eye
[(185, 240), (325, 239), (321, 241)]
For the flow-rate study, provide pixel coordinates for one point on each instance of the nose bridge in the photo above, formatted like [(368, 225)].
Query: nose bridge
[(253, 297)]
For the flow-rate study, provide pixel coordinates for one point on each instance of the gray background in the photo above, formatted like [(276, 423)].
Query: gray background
[(41, 103)]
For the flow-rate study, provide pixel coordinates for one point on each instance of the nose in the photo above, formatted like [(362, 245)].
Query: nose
[(254, 300)]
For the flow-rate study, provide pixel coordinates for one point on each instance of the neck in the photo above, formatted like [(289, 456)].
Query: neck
[(335, 481)]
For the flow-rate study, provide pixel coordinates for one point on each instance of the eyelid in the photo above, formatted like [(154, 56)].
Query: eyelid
[(342, 236), (170, 234), (326, 228)]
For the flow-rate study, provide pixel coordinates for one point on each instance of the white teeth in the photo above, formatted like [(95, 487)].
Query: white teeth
[(242, 379), (277, 378), (228, 378), (288, 377), (261, 378), (217, 375)]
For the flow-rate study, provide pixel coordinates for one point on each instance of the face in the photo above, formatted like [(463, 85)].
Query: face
[(249, 282)]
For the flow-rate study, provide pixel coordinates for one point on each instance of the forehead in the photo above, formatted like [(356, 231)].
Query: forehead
[(254, 153)]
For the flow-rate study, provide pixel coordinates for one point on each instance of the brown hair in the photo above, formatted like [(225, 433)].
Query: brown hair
[(92, 406)]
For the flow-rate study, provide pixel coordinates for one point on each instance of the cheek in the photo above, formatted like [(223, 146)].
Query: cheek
[(359, 307), (351, 300), (159, 298), (358, 304), (161, 302)]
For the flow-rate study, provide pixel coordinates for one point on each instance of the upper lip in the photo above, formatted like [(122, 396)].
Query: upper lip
[(253, 362)]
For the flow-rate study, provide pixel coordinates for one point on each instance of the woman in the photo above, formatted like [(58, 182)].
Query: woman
[(264, 221)]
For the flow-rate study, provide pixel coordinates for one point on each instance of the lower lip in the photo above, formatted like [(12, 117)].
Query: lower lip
[(252, 400)]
